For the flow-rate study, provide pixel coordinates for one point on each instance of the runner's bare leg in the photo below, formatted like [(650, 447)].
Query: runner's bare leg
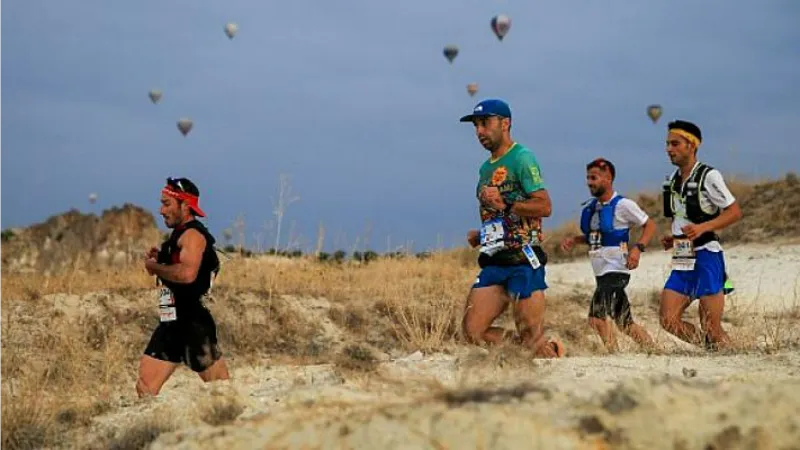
[(605, 330), (153, 373), (529, 318), (673, 304), (217, 371), (711, 309), (483, 306)]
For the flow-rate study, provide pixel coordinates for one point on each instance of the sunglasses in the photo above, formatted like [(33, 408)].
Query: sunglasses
[(175, 183)]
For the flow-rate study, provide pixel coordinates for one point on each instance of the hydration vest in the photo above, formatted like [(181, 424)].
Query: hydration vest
[(689, 194), (609, 237), (169, 254)]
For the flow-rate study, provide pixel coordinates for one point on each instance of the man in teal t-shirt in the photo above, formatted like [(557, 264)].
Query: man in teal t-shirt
[(513, 200)]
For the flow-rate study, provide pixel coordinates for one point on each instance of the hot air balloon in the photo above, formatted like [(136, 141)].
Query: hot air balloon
[(155, 95), (92, 198), (500, 25), (450, 52), (654, 112), (472, 88), (231, 29), (185, 126)]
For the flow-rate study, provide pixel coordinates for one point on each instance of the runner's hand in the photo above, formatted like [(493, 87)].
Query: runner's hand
[(567, 244), (491, 197), (666, 241), (474, 238), (153, 253), (693, 231), (148, 262), (633, 258)]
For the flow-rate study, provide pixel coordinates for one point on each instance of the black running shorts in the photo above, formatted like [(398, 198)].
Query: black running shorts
[(191, 340), (610, 299)]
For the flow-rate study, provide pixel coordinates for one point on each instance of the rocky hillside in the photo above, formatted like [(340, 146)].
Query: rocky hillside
[(74, 239)]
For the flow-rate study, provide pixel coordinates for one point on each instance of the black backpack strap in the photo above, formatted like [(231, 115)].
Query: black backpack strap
[(666, 194)]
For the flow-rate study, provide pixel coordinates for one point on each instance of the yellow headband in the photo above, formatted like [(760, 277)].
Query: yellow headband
[(688, 136)]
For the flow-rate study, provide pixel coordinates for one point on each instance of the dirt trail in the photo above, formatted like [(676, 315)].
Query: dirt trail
[(480, 399)]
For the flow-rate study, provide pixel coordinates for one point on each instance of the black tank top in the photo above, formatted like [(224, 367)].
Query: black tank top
[(188, 295)]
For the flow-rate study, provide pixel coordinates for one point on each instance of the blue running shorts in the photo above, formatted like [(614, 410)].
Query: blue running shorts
[(519, 280), (707, 278)]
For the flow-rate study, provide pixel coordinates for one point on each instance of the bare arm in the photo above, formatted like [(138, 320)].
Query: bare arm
[(191, 245), (537, 205), (648, 232)]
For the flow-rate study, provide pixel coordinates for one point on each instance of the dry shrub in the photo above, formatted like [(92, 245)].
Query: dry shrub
[(222, 409), (357, 357), (26, 422), (351, 317), (425, 326), (141, 433), (80, 413), (781, 330), (247, 324)]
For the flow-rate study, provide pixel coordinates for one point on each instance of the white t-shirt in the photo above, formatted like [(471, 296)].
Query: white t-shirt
[(627, 214), (714, 197)]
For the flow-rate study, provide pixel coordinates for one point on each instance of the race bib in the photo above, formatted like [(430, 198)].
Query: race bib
[(166, 305), (683, 256), (492, 232), (595, 240)]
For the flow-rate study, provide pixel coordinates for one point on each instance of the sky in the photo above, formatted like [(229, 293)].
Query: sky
[(356, 103)]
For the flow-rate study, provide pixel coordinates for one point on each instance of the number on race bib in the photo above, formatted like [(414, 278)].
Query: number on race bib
[(595, 240)]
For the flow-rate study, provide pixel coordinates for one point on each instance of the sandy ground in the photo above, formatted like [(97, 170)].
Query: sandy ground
[(474, 398), (479, 399)]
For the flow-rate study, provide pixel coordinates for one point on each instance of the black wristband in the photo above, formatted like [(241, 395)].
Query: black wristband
[(507, 210), (640, 246)]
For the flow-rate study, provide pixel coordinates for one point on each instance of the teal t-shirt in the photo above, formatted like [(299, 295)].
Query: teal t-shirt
[(516, 174)]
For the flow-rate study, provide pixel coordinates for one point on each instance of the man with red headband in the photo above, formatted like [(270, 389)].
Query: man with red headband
[(184, 267)]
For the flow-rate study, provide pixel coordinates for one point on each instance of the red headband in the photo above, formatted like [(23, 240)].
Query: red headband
[(191, 200)]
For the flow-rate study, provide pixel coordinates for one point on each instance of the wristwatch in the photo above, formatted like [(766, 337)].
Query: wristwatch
[(640, 246)]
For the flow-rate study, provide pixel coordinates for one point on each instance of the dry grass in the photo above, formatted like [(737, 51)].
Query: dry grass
[(141, 433), (221, 409)]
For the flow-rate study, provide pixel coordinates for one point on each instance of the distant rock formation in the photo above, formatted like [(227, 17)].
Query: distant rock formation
[(117, 237)]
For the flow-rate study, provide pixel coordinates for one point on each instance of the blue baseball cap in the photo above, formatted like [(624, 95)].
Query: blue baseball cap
[(487, 108)]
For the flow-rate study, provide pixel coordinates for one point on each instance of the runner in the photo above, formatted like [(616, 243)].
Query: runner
[(183, 267), (513, 199), (699, 204), (605, 223)]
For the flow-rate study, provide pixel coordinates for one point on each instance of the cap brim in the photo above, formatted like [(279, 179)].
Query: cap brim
[(469, 117)]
